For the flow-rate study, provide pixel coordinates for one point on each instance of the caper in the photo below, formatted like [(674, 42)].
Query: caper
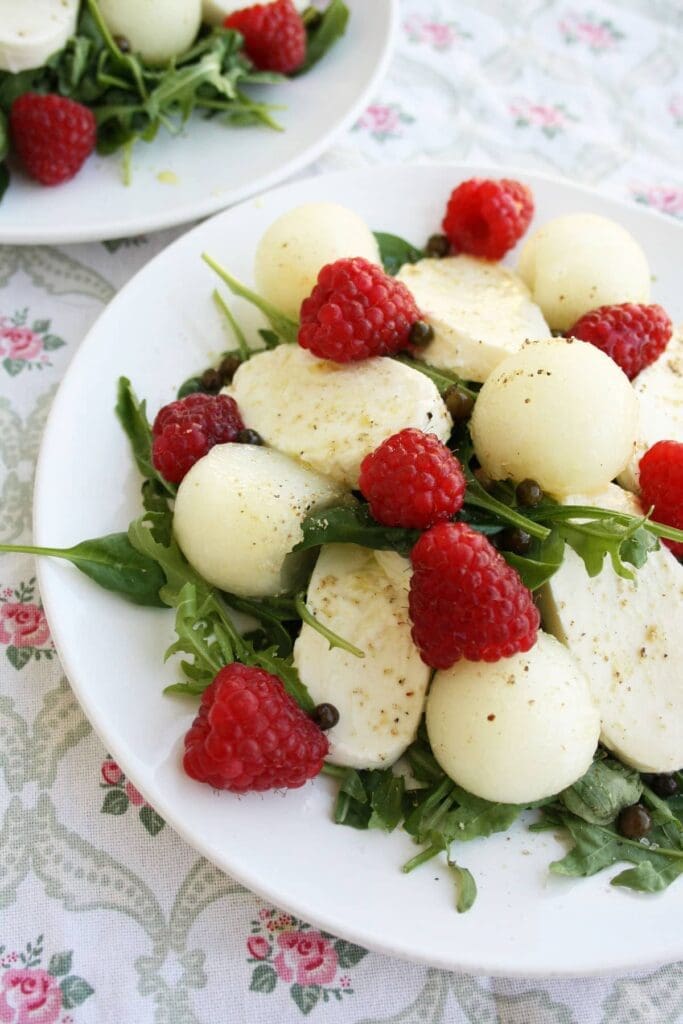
[(458, 403), (437, 246), (664, 785), (325, 716), (529, 494), (248, 436), (515, 540), (228, 367), (211, 381), (122, 43), (420, 334), (634, 822)]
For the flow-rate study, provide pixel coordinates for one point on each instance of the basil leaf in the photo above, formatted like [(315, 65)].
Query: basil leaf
[(325, 33), (395, 251), (605, 789), (354, 525)]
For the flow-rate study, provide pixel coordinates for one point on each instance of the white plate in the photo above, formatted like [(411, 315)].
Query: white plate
[(161, 328), (212, 166)]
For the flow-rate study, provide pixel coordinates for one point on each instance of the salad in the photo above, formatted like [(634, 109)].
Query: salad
[(75, 76), (406, 498)]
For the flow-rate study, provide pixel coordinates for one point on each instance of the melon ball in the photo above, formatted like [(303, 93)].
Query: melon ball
[(157, 30), (559, 411), (580, 261), (238, 515), (515, 730), (299, 243)]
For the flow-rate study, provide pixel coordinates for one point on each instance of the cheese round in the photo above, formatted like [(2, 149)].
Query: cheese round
[(157, 30), (560, 412), (580, 261), (515, 730), (238, 515), (300, 243)]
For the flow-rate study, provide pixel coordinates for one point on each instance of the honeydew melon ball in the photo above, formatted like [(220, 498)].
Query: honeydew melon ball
[(299, 243), (238, 514), (559, 411), (157, 30), (515, 730), (580, 261)]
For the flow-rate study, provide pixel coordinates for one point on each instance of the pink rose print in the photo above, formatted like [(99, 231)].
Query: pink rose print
[(258, 947), (134, 795), (305, 957), (26, 346), (598, 35), (111, 773), (676, 109), (550, 119), (29, 996), (21, 342), (660, 197), (439, 35), (384, 121), (23, 625)]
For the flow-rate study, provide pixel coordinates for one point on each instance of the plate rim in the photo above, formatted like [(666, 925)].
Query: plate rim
[(33, 234), (261, 887)]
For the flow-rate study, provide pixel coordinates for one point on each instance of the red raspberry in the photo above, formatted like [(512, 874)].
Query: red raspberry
[(485, 217), (251, 735), (661, 485), (412, 480), (632, 335), (466, 601), (185, 430), (53, 136), (274, 35), (356, 311)]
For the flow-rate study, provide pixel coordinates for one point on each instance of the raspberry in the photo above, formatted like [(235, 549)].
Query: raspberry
[(466, 601), (274, 35), (251, 735), (356, 311), (412, 480), (485, 217), (632, 335), (185, 430), (53, 136), (661, 485)]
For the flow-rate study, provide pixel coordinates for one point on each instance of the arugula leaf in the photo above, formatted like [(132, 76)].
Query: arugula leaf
[(649, 876), (370, 799), (132, 415), (324, 34), (4, 179), (466, 886), (395, 251), (4, 150), (475, 818), (543, 560), (344, 524), (444, 379), (605, 789), (284, 326), (112, 562)]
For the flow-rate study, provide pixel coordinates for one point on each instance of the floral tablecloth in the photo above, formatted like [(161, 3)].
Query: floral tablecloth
[(107, 916)]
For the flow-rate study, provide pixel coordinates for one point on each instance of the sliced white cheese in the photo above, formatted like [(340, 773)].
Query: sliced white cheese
[(628, 638), (32, 30), (659, 390), (380, 697), (481, 312), (214, 12), (238, 515), (515, 730), (331, 415)]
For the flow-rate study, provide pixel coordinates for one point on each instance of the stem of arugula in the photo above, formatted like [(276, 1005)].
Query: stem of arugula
[(422, 858), (334, 641), (591, 512)]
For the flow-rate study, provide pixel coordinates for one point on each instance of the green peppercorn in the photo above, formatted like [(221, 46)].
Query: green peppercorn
[(458, 403), (228, 367), (248, 436), (420, 334), (437, 246), (515, 540), (529, 494), (211, 381), (634, 822), (325, 716)]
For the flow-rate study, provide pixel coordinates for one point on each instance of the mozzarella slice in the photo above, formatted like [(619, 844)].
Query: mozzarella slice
[(214, 12), (238, 515), (331, 415), (659, 390), (379, 697), (32, 30), (481, 312), (517, 730), (628, 638)]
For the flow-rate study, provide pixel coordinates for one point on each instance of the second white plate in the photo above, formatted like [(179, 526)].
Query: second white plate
[(160, 329)]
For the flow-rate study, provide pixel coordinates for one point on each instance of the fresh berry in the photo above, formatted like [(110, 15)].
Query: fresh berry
[(632, 335), (356, 311), (53, 136), (661, 486), (251, 735), (185, 430), (485, 217), (412, 480), (274, 35), (466, 601)]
